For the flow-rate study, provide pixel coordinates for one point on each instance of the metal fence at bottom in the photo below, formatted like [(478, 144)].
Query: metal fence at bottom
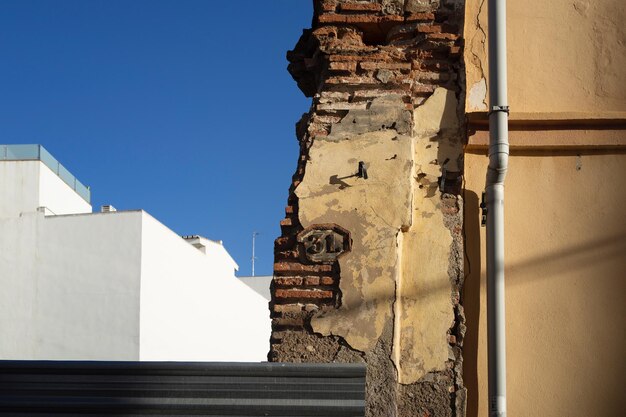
[(38, 388)]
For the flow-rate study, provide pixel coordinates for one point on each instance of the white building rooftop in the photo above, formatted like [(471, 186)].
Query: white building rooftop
[(39, 153), (112, 285)]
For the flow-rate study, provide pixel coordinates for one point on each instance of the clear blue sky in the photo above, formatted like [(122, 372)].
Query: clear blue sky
[(182, 108)]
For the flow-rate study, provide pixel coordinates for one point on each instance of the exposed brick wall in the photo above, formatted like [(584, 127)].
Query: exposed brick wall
[(355, 52)]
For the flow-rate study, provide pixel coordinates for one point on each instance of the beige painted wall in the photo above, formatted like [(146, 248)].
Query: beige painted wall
[(563, 55), (565, 259)]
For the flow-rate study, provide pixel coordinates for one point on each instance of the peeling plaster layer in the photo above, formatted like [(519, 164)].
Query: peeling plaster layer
[(374, 210), (477, 97), (424, 305), (387, 266)]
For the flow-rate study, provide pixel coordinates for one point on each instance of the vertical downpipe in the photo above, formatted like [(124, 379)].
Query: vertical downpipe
[(494, 200)]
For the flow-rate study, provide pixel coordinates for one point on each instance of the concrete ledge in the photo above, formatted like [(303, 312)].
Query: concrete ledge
[(555, 139), (480, 120), (606, 130)]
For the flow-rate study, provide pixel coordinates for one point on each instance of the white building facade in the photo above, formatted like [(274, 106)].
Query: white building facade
[(112, 286)]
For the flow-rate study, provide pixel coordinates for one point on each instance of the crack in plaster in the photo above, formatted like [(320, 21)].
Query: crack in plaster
[(394, 355), (476, 58)]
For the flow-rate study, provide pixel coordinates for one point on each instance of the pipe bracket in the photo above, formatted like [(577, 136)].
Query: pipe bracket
[(496, 109)]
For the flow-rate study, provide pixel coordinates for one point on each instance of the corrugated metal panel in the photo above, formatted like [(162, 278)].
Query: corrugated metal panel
[(175, 388)]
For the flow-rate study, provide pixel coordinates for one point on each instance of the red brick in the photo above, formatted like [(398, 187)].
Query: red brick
[(420, 17), (355, 19), (358, 7), (342, 66), (369, 57), (434, 76), (421, 88), (293, 293), (329, 6), (390, 18), (362, 18), (289, 210), (290, 268), (327, 281), (372, 93), (286, 222), (332, 18), (442, 36), (288, 281), (312, 281), (429, 28), (351, 80), (369, 65)]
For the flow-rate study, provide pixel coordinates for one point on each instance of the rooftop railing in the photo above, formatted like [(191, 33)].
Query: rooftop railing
[(39, 153)]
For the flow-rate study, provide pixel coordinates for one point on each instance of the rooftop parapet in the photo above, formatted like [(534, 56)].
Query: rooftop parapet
[(39, 153)]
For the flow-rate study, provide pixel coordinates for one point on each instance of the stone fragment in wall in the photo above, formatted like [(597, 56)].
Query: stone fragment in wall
[(424, 311), (393, 6), (329, 193), (384, 75), (386, 112), (418, 6), (344, 38)]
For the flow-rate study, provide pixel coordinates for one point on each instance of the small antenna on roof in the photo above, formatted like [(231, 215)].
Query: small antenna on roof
[(254, 235)]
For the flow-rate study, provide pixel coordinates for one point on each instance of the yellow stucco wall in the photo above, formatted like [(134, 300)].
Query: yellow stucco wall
[(565, 226), (563, 55)]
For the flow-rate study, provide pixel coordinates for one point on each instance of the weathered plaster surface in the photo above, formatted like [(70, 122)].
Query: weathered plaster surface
[(580, 65), (385, 277), (368, 273), (424, 308)]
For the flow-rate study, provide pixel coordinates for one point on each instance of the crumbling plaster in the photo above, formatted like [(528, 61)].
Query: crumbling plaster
[(544, 75), (362, 206), (424, 307), (397, 270)]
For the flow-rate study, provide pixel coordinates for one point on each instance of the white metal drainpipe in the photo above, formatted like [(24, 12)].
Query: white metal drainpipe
[(494, 201)]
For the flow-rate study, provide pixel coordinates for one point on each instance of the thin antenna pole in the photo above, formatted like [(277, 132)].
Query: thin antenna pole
[(254, 235)]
